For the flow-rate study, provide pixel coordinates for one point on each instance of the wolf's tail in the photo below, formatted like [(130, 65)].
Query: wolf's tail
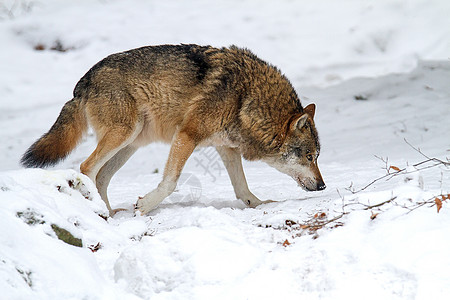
[(60, 140)]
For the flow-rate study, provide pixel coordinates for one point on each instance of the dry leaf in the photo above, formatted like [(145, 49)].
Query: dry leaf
[(286, 243), (374, 215), (290, 223), (394, 168), (438, 203), (95, 248), (320, 215)]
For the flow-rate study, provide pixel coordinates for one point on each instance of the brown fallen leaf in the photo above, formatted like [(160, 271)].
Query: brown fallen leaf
[(438, 204), (374, 215), (394, 168), (95, 248), (290, 223), (286, 243), (320, 215)]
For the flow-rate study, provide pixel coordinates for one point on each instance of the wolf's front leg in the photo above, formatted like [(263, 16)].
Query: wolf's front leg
[(233, 163), (181, 149)]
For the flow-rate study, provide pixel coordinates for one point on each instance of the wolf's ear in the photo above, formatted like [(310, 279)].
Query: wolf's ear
[(300, 122), (310, 110)]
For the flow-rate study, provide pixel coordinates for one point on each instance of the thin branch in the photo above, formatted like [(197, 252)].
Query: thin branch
[(447, 164), (385, 161), (367, 206), (403, 171), (315, 224)]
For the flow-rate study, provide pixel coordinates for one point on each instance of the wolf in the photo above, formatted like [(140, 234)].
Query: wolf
[(189, 96)]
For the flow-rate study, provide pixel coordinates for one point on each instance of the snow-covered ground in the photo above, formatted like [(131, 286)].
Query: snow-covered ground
[(379, 72)]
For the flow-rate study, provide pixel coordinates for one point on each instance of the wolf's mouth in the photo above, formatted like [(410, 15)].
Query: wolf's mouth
[(301, 184), (304, 185)]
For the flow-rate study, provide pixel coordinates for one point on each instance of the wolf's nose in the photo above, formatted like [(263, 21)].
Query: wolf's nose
[(321, 186)]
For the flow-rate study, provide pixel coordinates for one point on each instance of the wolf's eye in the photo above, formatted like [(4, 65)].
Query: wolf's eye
[(309, 157)]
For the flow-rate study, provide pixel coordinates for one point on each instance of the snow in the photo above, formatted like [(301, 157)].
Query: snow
[(379, 74)]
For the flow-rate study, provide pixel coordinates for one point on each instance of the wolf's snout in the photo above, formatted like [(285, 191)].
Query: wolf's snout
[(311, 185), (321, 186)]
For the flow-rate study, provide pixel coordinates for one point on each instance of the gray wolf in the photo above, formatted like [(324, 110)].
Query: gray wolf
[(189, 96)]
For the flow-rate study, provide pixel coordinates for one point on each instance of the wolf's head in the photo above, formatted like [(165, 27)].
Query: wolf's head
[(297, 156)]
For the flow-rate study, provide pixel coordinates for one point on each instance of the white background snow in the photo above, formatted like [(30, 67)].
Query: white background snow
[(202, 243)]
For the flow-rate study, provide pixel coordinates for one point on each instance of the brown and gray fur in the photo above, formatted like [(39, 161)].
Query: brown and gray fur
[(189, 96)]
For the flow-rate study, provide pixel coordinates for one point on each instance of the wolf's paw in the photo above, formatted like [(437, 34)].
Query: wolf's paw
[(154, 198), (142, 206), (251, 200), (145, 204), (256, 202)]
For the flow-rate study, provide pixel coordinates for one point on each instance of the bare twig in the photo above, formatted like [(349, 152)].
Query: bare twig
[(368, 206), (439, 161), (315, 223), (385, 161), (435, 162)]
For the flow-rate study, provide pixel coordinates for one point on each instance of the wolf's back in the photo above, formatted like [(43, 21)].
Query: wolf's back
[(60, 140)]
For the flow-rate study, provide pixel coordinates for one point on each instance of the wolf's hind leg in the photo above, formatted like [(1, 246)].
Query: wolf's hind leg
[(233, 163), (182, 147), (110, 144), (109, 169)]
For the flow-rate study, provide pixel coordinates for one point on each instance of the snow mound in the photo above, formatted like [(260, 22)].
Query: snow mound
[(35, 263)]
